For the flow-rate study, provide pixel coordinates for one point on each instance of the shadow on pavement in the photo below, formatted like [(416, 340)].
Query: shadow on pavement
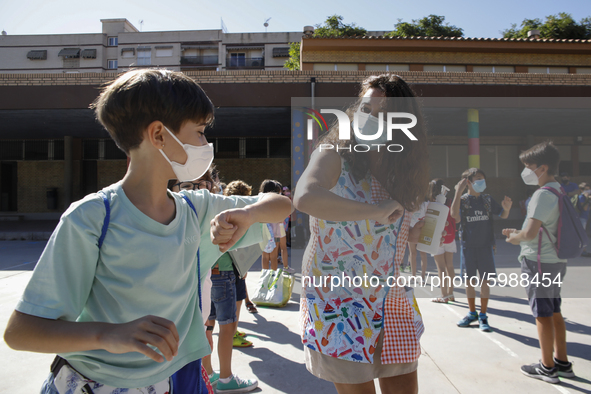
[(274, 331), (275, 370), (567, 383), (575, 349)]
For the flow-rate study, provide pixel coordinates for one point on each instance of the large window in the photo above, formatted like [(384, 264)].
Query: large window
[(252, 148), (101, 149), (387, 67), (237, 59), (493, 69), (31, 149), (497, 161), (164, 51), (585, 160), (547, 70), (444, 68), (144, 57)]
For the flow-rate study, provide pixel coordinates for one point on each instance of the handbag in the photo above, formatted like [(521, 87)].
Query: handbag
[(273, 289)]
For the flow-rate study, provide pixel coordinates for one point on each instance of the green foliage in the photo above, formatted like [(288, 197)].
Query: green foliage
[(556, 26), (293, 63), (332, 27), (429, 26)]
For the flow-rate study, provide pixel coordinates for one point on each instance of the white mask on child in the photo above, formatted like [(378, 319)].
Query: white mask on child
[(199, 159), (529, 176)]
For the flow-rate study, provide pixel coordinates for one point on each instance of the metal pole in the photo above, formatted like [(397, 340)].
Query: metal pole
[(68, 171)]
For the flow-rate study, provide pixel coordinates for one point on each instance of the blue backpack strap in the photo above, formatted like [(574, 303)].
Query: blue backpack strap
[(198, 257), (107, 218)]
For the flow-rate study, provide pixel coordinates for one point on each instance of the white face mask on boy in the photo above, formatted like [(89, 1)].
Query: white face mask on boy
[(529, 176), (199, 159)]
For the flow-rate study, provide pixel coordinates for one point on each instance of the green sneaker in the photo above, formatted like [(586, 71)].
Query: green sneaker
[(213, 378), (236, 385)]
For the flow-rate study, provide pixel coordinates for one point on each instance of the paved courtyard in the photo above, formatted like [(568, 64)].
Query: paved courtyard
[(453, 360)]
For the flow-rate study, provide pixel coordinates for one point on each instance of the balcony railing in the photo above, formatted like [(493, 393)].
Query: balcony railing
[(199, 60), (238, 62)]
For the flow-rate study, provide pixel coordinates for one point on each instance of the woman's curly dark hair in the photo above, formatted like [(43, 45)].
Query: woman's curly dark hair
[(405, 174)]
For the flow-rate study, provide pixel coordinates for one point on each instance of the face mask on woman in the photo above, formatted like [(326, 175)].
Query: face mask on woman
[(372, 129), (479, 186), (529, 176), (199, 159)]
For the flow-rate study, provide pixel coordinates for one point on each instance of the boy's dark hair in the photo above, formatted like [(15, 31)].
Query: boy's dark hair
[(541, 154), (434, 189), (470, 172), (269, 185), (128, 105)]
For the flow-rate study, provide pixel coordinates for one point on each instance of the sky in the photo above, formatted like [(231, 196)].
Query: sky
[(478, 18)]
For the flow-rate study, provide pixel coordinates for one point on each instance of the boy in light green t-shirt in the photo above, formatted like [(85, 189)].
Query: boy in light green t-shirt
[(126, 315), (543, 281)]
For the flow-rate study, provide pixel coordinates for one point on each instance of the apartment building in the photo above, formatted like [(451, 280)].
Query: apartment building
[(52, 151), (121, 46)]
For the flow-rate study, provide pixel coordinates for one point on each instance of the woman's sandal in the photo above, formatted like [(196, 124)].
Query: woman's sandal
[(240, 334), (440, 300), (251, 308)]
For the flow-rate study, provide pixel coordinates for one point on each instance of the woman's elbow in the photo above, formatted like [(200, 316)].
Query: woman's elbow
[(299, 201)]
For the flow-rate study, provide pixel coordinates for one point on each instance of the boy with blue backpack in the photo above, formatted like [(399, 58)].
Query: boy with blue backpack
[(551, 233), (117, 290)]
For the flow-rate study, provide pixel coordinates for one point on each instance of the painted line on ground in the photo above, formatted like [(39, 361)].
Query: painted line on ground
[(18, 265), (487, 335), (499, 344)]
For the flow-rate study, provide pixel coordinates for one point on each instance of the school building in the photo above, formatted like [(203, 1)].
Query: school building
[(53, 152)]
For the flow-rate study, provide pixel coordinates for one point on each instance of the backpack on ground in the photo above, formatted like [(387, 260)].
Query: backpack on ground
[(571, 238)]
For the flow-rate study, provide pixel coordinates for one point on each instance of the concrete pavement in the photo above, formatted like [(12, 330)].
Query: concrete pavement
[(454, 360)]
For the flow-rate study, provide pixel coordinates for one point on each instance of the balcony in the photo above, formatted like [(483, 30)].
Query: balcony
[(245, 63), (211, 60)]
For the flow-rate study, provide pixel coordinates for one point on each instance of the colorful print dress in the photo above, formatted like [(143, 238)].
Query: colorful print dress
[(345, 321)]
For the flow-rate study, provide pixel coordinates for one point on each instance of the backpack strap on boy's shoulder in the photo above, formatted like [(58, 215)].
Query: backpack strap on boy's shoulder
[(190, 204), (107, 218)]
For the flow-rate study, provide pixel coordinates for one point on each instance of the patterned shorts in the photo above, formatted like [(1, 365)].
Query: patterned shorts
[(68, 380)]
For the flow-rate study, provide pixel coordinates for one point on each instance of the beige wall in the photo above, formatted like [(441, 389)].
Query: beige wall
[(281, 76), (34, 177)]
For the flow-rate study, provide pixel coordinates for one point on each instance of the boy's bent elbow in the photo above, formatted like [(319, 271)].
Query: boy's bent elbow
[(13, 334)]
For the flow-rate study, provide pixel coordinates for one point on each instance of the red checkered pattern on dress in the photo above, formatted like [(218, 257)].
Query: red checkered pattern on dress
[(401, 343)]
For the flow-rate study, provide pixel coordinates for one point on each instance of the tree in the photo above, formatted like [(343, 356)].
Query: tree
[(293, 63), (556, 26), (429, 26), (333, 27)]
